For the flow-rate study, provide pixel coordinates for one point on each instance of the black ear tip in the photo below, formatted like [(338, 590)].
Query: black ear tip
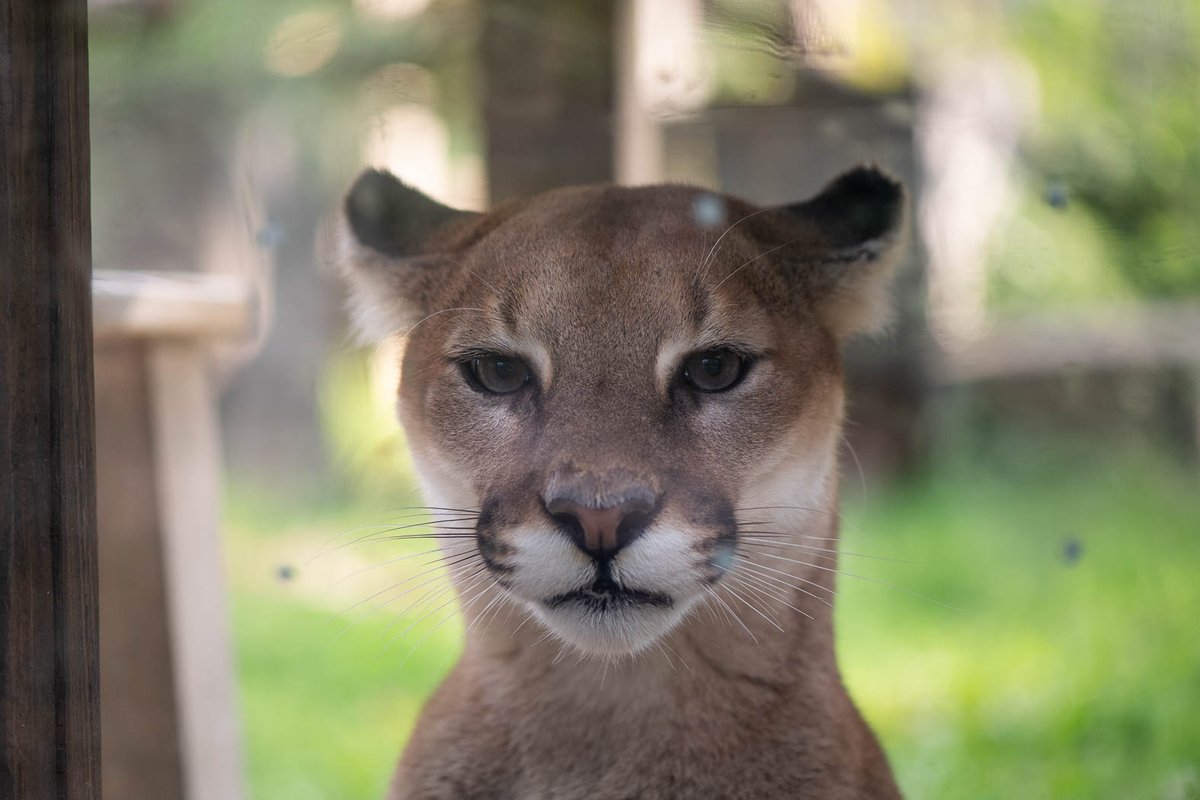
[(371, 199), (389, 216), (870, 183), (384, 213), (862, 204)]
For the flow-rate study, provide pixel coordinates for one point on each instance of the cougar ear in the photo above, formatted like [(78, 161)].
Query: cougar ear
[(396, 247), (855, 234)]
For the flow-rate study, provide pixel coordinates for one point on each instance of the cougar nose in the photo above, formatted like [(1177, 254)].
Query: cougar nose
[(602, 530)]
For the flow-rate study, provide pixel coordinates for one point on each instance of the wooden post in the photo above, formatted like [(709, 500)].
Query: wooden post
[(549, 100), (49, 700), (186, 437), (170, 712)]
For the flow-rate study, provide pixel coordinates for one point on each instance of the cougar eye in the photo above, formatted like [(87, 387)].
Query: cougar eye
[(499, 374), (714, 370)]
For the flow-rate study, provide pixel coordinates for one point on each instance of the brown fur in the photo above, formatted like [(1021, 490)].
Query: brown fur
[(732, 690)]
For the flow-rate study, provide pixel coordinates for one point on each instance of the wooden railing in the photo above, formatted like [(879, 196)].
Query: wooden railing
[(166, 661), (1160, 334)]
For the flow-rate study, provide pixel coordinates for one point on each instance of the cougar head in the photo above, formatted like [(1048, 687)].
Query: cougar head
[(611, 377)]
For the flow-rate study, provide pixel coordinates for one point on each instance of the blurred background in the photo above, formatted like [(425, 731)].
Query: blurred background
[(1022, 460)]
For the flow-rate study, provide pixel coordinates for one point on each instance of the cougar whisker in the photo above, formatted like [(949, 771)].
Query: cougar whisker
[(732, 613), (704, 265), (749, 590), (769, 574), (434, 571)]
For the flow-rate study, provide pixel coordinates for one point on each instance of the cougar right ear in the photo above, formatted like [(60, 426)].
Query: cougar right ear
[(397, 245)]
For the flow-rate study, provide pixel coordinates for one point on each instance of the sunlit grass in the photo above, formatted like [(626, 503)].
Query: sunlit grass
[(1064, 663), (334, 663), (1070, 663)]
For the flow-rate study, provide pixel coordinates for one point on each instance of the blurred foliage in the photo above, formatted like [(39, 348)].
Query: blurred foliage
[(224, 46), (1112, 153), (1116, 141), (1043, 254), (358, 411), (172, 92)]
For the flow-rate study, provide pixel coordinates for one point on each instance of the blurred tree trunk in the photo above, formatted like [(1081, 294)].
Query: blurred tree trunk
[(548, 106)]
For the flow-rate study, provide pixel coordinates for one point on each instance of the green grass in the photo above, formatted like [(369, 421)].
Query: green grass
[(1052, 676), (1028, 674)]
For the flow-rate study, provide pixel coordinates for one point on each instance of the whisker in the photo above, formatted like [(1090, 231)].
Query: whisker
[(430, 511), (835, 514), (752, 580), (749, 588), (756, 258), (528, 616), (785, 601), (376, 529), (862, 478), (790, 535), (437, 525), (434, 552), (770, 591), (754, 566), (418, 536), (483, 613), (731, 612), (440, 623), (704, 265), (670, 663), (754, 608), (440, 563), (436, 313), (770, 543), (505, 603), (474, 579), (445, 618), (355, 622), (682, 660), (917, 595)]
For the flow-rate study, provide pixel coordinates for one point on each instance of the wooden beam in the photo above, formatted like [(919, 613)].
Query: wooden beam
[(1159, 334), (49, 699), (170, 305)]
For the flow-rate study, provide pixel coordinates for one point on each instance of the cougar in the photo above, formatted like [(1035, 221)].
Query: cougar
[(629, 402)]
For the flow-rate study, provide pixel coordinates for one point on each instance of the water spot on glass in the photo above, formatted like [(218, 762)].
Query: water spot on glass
[(1056, 195), (269, 236), (722, 559), (708, 210)]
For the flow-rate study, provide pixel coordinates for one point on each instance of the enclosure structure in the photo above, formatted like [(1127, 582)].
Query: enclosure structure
[(170, 713), (49, 669)]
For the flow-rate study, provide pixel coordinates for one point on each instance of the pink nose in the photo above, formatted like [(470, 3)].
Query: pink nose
[(601, 532)]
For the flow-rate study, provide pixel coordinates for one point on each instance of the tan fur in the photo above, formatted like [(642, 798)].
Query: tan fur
[(603, 291)]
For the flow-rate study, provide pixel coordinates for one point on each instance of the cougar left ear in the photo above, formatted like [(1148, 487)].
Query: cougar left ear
[(854, 236), (396, 248)]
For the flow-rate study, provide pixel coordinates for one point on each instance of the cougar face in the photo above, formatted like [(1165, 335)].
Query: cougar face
[(619, 380)]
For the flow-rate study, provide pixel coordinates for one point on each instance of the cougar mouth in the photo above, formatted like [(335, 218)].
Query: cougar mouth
[(605, 595)]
